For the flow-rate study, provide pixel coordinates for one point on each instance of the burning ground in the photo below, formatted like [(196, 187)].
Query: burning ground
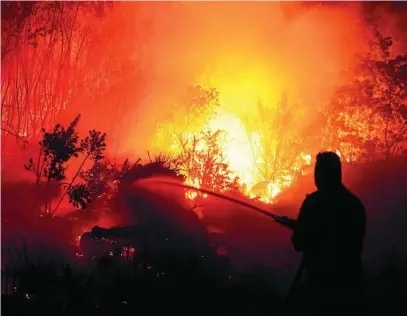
[(236, 98)]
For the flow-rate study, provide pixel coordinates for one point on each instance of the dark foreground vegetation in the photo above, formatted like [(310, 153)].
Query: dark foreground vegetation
[(123, 287), (118, 285)]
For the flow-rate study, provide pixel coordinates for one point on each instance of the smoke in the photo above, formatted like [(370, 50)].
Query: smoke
[(164, 211), (150, 53), (143, 57), (248, 237), (247, 51)]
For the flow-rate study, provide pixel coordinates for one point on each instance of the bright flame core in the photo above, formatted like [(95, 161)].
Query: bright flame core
[(242, 152), (241, 159)]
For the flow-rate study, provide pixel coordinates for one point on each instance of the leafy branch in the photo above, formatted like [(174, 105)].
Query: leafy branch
[(93, 145), (56, 150)]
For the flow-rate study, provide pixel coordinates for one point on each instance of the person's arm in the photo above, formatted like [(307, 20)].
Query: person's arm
[(300, 235), (360, 223), (362, 220)]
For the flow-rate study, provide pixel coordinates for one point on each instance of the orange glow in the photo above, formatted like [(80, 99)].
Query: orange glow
[(238, 145), (131, 65), (275, 87), (272, 55)]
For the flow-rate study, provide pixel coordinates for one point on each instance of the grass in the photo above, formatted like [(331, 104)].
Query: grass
[(116, 285)]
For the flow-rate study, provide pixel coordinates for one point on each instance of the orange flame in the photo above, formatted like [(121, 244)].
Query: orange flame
[(241, 150)]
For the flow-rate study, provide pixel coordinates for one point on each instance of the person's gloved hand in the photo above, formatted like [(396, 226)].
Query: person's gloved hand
[(288, 222), (282, 219)]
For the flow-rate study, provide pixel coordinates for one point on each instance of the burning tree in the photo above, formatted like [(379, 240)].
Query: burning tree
[(203, 161), (278, 137), (43, 46), (58, 56), (200, 105), (368, 116), (197, 151), (217, 148)]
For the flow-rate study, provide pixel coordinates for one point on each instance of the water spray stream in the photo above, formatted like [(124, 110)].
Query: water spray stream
[(221, 196), (274, 216)]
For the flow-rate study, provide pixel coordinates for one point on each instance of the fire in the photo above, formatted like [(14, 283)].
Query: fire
[(261, 130), (194, 183), (235, 146), (241, 151)]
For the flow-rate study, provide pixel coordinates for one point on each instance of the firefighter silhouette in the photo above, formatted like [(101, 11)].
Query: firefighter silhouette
[(329, 232)]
